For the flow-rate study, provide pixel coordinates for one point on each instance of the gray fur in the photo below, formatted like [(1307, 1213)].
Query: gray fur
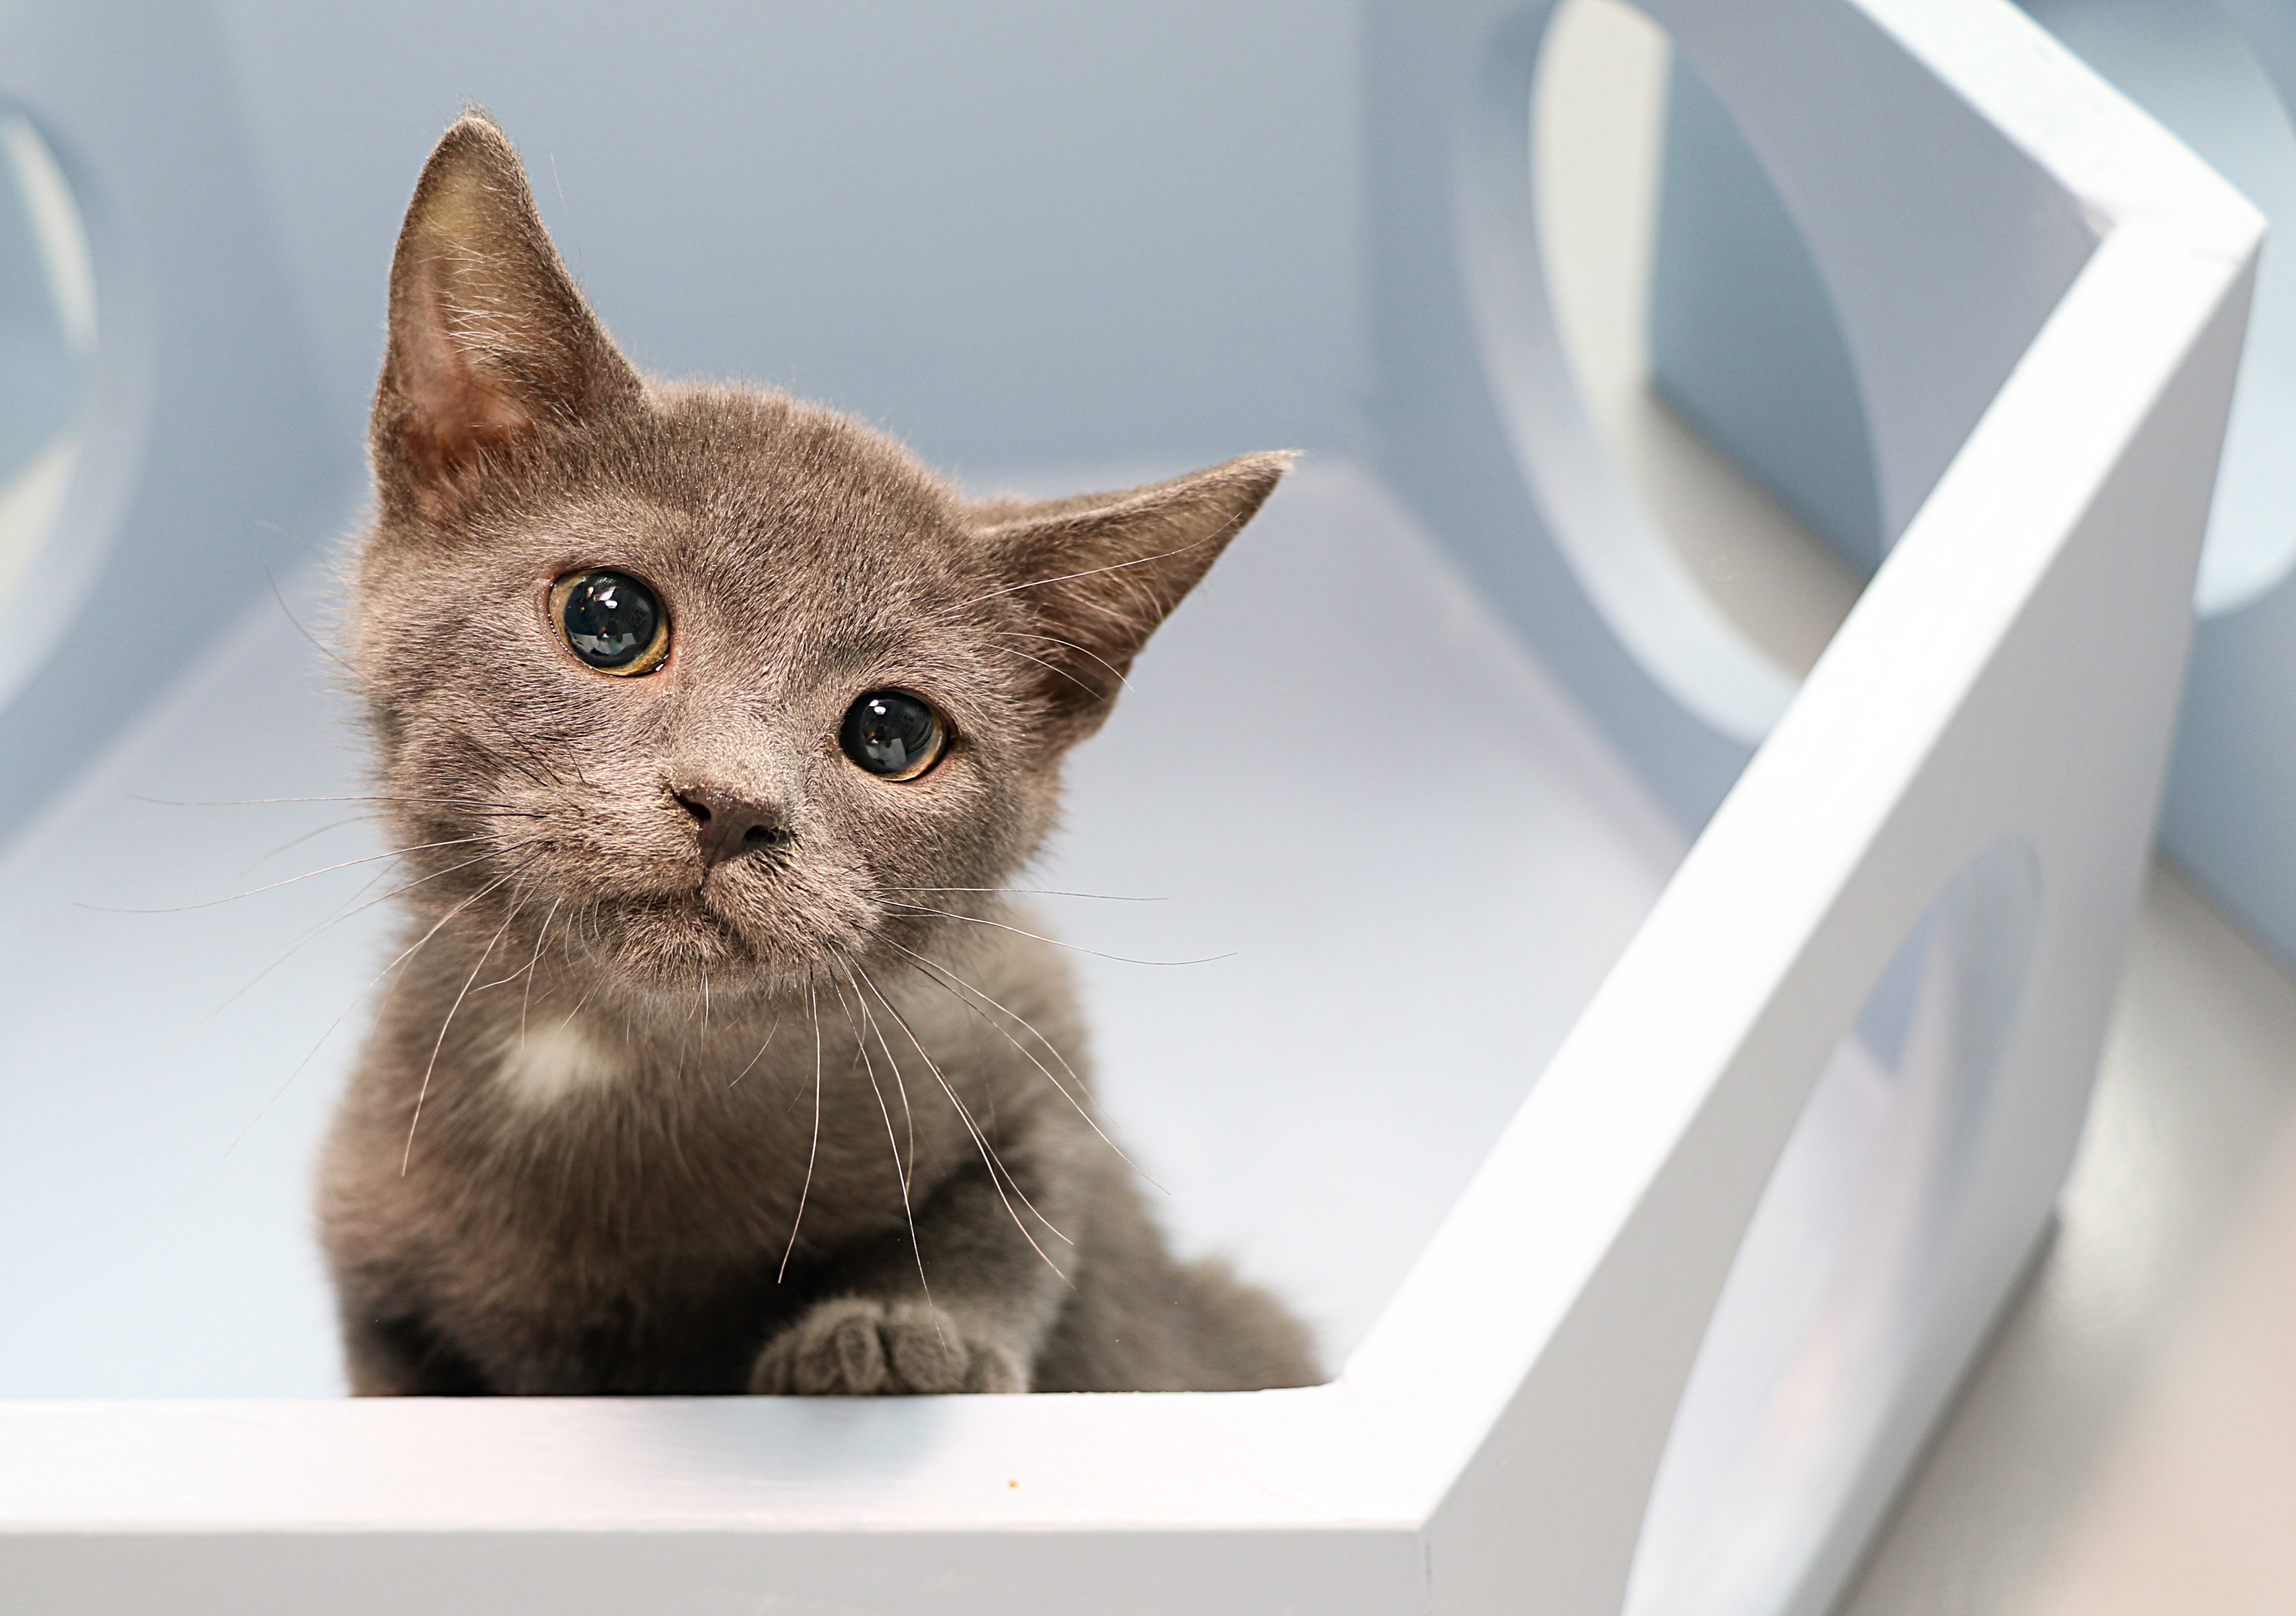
[(630, 1122)]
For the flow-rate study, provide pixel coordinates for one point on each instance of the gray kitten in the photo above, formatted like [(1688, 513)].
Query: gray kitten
[(718, 1061)]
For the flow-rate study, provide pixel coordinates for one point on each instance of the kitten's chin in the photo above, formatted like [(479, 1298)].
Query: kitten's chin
[(678, 946)]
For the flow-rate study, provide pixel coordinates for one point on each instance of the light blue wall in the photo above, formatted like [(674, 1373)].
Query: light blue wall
[(1015, 232), (207, 459), (1729, 273)]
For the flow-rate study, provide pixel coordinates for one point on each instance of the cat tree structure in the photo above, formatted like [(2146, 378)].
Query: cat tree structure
[(1623, 1367)]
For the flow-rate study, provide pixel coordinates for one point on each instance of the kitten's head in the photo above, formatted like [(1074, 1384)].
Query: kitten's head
[(721, 679)]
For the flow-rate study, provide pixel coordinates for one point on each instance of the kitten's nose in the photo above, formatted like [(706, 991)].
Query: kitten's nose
[(729, 826)]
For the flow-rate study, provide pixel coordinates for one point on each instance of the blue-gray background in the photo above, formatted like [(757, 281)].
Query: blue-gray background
[(1015, 232)]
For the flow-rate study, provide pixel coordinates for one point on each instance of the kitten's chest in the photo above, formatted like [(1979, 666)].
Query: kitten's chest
[(621, 1262), (640, 1179), (589, 1166), (588, 1213)]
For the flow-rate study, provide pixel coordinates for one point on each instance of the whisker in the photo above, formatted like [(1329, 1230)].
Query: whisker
[(596, 981), (772, 1033), (1032, 892), (252, 865), (289, 613), (868, 1066), (1142, 561), (467, 739), (423, 1093), (404, 955), (346, 864), (343, 912), (1090, 1122), (900, 1082), (951, 914), (1081, 650), (814, 1153), (532, 968), (297, 945), (944, 971), (989, 1156), (500, 981), (276, 801), (524, 745), (1057, 670), (900, 1174)]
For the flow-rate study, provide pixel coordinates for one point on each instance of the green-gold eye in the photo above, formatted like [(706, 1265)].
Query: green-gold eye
[(612, 621), (893, 734)]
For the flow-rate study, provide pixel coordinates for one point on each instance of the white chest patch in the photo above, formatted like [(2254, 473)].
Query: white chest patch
[(553, 1061)]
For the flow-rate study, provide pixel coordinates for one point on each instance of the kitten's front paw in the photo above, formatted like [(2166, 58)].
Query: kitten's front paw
[(854, 1346)]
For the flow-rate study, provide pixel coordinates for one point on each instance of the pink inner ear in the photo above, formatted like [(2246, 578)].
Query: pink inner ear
[(456, 414)]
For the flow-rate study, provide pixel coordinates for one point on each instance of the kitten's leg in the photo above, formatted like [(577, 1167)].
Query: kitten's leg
[(395, 1352), (973, 1322)]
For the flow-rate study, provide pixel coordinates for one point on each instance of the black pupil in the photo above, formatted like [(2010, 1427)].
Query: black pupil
[(887, 733), (611, 618)]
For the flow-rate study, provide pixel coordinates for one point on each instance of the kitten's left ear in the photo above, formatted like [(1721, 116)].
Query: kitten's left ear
[(490, 342), (1100, 571)]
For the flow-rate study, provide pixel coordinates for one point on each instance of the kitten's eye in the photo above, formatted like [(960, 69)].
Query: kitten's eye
[(892, 733), (612, 621)]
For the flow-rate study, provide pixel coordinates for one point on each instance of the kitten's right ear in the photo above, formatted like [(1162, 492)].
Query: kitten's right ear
[(490, 342), (1099, 572)]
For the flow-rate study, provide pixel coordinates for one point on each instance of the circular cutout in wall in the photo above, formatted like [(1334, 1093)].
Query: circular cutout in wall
[(1838, 1276), (47, 339), (1612, 111)]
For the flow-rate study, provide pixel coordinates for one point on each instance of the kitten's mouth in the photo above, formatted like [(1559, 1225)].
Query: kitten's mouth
[(685, 929), (708, 908), (674, 941)]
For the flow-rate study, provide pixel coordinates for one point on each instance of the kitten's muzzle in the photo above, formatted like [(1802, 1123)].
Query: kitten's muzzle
[(730, 826)]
